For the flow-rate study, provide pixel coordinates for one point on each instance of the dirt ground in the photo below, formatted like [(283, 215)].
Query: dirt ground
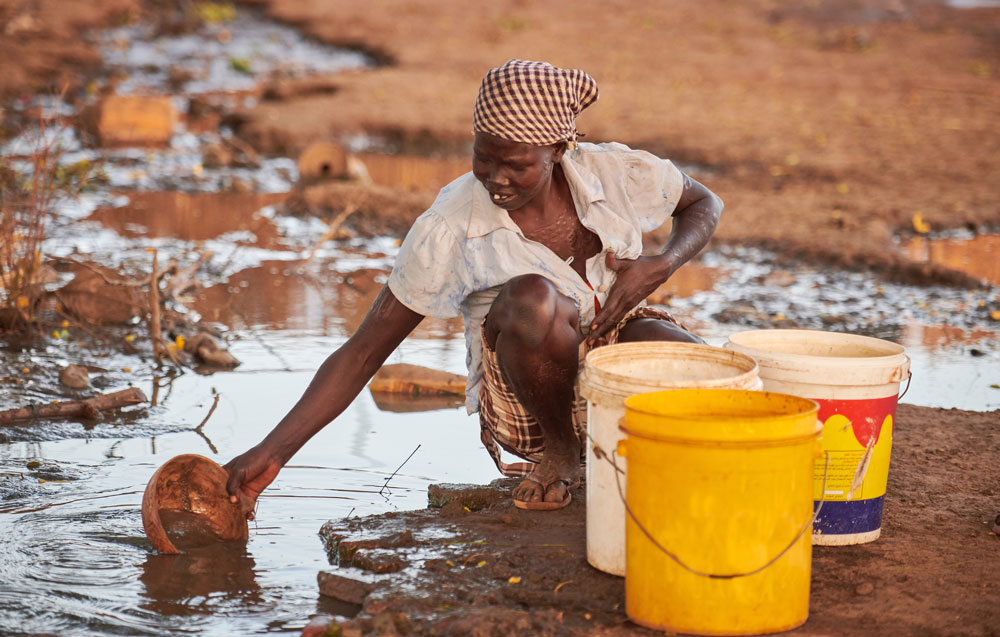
[(825, 125), (932, 572)]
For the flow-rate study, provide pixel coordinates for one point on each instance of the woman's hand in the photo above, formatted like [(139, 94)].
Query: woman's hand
[(695, 218), (249, 474), (634, 281)]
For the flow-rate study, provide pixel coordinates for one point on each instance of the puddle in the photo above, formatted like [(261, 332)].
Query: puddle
[(973, 4), (694, 277), (977, 256), (227, 56), (192, 217)]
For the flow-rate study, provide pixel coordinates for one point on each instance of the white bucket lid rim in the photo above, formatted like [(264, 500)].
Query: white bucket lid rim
[(594, 374), (755, 342)]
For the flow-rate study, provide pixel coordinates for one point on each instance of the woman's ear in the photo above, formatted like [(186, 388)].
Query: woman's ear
[(559, 149)]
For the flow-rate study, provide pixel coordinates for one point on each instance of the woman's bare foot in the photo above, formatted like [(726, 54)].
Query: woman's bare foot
[(551, 479)]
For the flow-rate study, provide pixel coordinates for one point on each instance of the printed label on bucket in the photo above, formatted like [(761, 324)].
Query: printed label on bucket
[(857, 435)]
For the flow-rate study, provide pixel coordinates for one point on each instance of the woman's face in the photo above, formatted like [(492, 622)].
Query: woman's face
[(513, 173)]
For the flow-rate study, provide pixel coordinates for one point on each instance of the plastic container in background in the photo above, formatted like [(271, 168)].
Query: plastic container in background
[(612, 374), (855, 379)]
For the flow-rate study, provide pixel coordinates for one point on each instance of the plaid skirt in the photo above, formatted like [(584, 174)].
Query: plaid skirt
[(503, 420)]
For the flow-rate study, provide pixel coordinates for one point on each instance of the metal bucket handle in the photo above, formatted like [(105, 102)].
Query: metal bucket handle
[(798, 536)]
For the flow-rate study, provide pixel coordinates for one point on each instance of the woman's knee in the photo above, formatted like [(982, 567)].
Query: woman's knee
[(650, 329), (528, 306)]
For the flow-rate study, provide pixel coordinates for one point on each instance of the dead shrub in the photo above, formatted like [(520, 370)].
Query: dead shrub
[(28, 189)]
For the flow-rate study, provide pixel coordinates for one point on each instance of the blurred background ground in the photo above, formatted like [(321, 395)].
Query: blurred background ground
[(825, 125)]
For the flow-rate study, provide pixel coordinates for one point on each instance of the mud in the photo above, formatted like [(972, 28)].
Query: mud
[(475, 564)]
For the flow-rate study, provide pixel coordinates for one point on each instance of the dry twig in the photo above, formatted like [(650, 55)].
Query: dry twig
[(331, 230), (89, 408), (211, 411)]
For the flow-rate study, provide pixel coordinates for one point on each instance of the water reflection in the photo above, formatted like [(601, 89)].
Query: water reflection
[(692, 278), (193, 217), (298, 295), (941, 336), (406, 403), (978, 257), (220, 573)]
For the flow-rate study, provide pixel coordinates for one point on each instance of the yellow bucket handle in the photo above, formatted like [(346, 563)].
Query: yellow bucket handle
[(695, 571)]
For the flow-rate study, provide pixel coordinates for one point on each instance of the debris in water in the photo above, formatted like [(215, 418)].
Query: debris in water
[(74, 376), (89, 409), (413, 379)]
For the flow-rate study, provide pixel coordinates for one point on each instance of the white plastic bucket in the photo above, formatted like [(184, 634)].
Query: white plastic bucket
[(610, 375), (855, 379)]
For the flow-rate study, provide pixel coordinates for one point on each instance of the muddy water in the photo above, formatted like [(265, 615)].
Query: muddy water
[(977, 256), (75, 558)]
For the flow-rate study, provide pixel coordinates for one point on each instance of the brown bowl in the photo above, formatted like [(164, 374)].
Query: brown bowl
[(186, 505)]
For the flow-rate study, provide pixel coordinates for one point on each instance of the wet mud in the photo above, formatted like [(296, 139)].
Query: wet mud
[(472, 563)]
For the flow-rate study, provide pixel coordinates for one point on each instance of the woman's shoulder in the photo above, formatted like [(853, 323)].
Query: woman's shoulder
[(450, 211), (456, 198), (605, 152)]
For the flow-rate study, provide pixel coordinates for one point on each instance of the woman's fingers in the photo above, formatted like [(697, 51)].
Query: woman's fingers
[(608, 317)]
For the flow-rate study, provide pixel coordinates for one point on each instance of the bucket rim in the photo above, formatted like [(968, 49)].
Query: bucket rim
[(746, 342), (809, 412), (816, 433), (594, 377)]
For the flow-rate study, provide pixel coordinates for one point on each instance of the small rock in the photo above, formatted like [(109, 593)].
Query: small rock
[(780, 278), (384, 625), (208, 351), (347, 548), (865, 588), (125, 120), (101, 382), (343, 588), (240, 185), (742, 315), (471, 496), (317, 626), (831, 319), (75, 376), (454, 509), (378, 561), (215, 156), (177, 77)]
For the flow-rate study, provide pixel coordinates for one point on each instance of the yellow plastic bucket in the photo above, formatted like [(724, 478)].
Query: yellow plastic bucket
[(610, 375), (719, 494), (855, 379)]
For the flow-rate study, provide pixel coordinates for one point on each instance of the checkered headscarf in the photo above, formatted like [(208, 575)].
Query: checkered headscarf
[(533, 102)]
